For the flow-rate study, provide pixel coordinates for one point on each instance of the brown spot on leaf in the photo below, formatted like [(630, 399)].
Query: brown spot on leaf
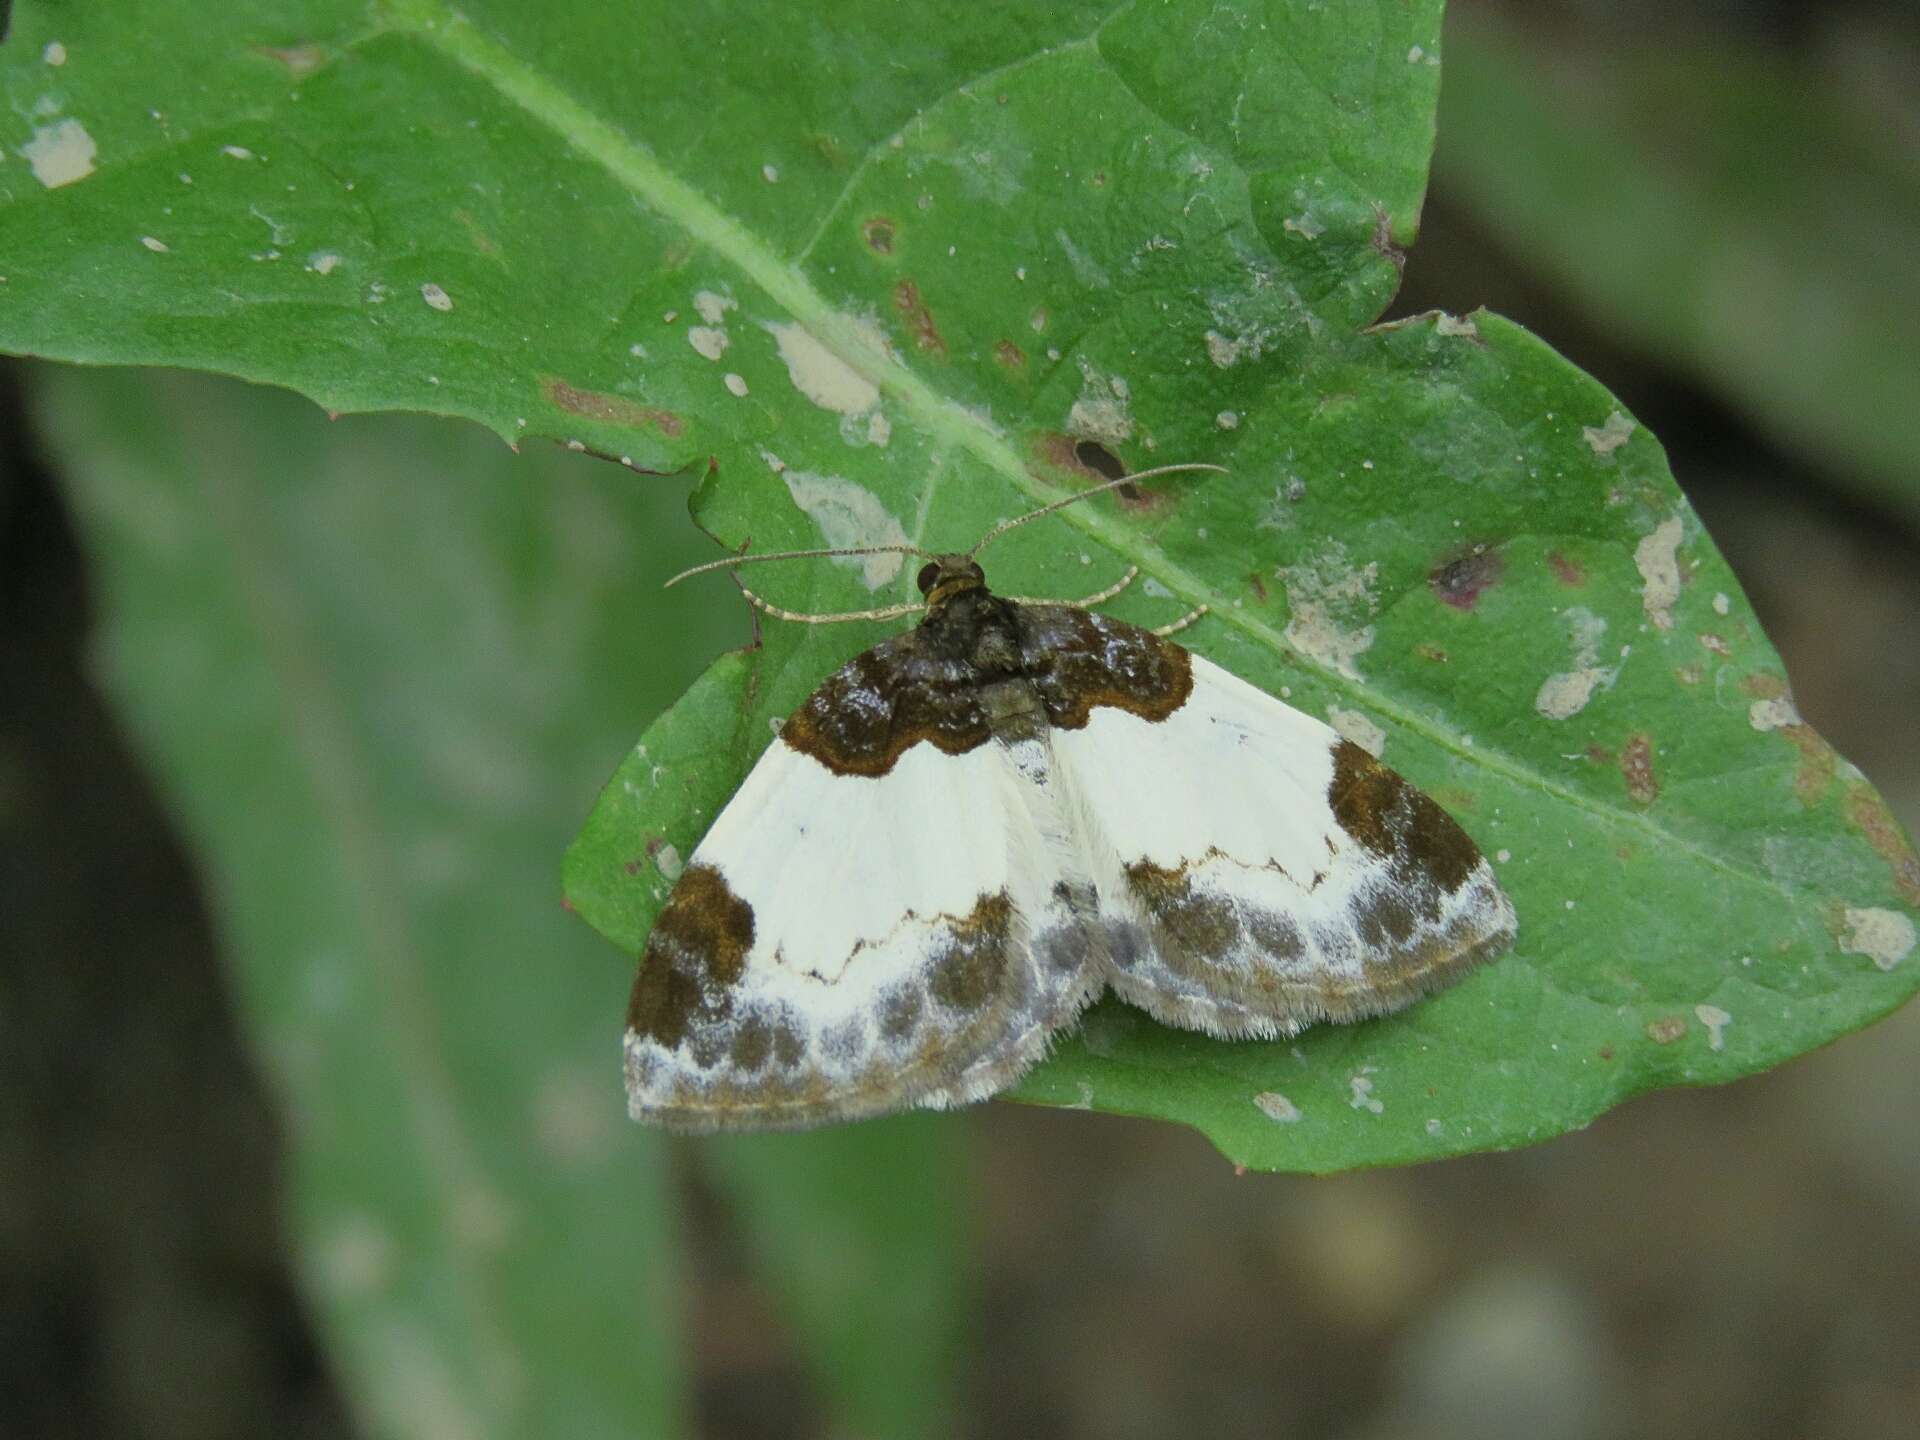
[(633, 867), (1097, 458), (694, 956), (913, 309), (613, 409), (1383, 239), (878, 233), (1599, 754), (1666, 1029), (1817, 763), (300, 60), (1606, 1052), (1459, 580), (1567, 572), (1259, 587), (1428, 651), (1870, 816), (1636, 765), (1010, 355), (1763, 686)]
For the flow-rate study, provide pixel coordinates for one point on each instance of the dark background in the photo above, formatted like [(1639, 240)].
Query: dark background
[(1744, 1260)]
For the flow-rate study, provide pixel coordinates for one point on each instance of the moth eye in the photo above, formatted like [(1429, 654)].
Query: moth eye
[(929, 573)]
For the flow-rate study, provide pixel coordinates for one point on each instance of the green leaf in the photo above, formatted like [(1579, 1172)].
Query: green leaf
[(1744, 214), (855, 1227), (376, 665), (371, 664), (883, 276)]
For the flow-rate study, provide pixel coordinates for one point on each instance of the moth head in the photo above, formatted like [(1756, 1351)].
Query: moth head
[(945, 576)]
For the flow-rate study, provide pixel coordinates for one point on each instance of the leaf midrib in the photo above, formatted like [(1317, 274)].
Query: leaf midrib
[(653, 184)]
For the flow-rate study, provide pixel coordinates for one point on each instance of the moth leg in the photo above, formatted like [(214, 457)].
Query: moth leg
[(885, 612), (1183, 622), (1099, 597)]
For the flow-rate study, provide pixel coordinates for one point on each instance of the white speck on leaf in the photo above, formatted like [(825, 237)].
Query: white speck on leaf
[(709, 341), (1885, 937), (769, 173), (1610, 435), (736, 383), (1504, 856), (1774, 714), (1460, 325), (712, 306), (1721, 604), (55, 54), (1101, 411), (1306, 227), (1277, 1107), (1325, 596), (849, 515), (822, 376), (236, 152), (1223, 352), (1227, 420), (60, 154), (879, 430), (1659, 565), (1716, 1020), (1567, 693), (323, 262), (1362, 1097), (667, 858), (1354, 726), (159, 247), (436, 298), (1086, 269)]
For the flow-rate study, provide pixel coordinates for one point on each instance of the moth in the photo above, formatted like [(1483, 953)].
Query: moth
[(971, 831)]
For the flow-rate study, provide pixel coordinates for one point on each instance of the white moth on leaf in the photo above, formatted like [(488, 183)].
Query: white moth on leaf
[(972, 830)]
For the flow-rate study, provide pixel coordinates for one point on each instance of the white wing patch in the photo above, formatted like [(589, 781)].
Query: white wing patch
[(908, 938), (1240, 899)]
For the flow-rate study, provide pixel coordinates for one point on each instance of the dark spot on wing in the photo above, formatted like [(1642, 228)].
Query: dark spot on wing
[(694, 956), (1459, 579), (1197, 927), (973, 968), (883, 702), (900, 1012), (752, 1044), (1396, 822), (1078, 661)]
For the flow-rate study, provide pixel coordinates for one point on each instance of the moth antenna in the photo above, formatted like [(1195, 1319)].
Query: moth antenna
[(1079, 495), (1183, 622), (1099, 597), (885, 612), (733, 560)]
